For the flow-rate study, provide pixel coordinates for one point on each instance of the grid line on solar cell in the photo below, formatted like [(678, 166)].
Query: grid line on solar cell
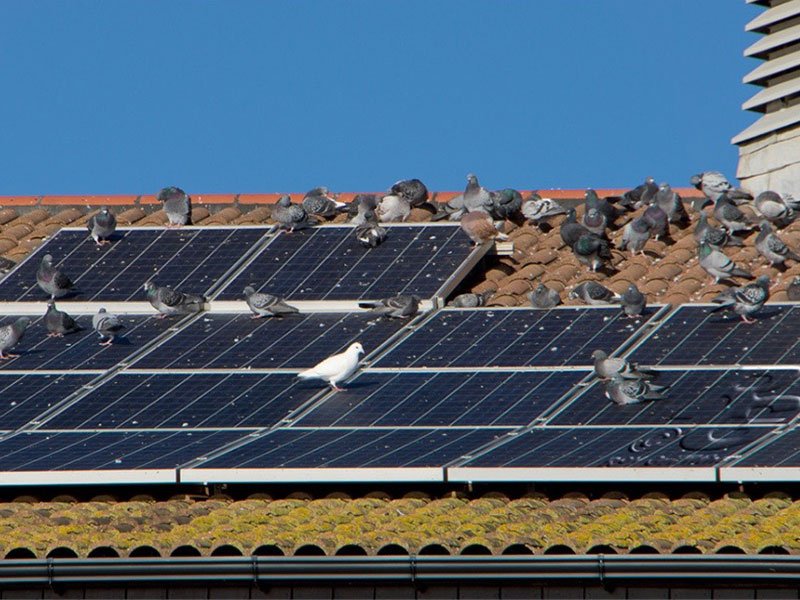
[(24, 397), (738, 397), (328, 263), (783, 451), (512, 337), (192, 260)]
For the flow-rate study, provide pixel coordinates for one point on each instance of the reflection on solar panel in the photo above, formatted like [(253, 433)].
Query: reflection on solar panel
[(695, 336), (164, 400), (696, 397), (25, 397), (235, 341), (81, 350), (778, 459), (328, 263), (192, 259), (443, 399), (512, 337)]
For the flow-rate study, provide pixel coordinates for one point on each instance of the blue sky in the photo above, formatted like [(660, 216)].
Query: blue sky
[(233, 96)]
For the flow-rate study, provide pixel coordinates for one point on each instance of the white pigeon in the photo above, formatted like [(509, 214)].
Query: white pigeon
[(336, 368)]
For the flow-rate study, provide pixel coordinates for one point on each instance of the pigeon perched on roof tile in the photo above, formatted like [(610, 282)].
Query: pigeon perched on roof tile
[(480, 228), (107, 326), (393, 208), (535, 209), (10, 335), (633, 302), (717, 237), (593, 293), (336, 368), (370, 234), (608, 368), (592, 200), (266, 305), (775, 208), (401, 306), (793, 290), (642, 195), (177, 206), (671, 203), (718, 265), (291, 216), (745, 300), (57, 322), (413, 190), (172, 302), (102, 226), (506, 203), (633, 391), (595, 222), (319, 202), (54, 283), (470, 300), (727, 213), (571, 230), (771, 247), (592, 251), (477, 197), (543, 297), (658, 220), (635, 235), (714, 184)]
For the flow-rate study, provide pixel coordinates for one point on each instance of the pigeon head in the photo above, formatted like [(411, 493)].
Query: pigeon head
[(541, 288), (51, 303), (101, 311), (357, 348), (664, 187), (763, 282), (649, 179), (168, 193), (590, 194), (47, 259), (599, 355), (104, 210), (285, 200), (319, 191), (149, 286), (575, 294), (696, 181)]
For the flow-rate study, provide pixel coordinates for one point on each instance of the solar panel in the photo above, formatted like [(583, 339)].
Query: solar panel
[(238, 341), (776, 460), (328, 263), (81, 350), (199, 400), (432, 399), (738, 397), (191, 259), (695, 336), (25, 397), (512, 337)]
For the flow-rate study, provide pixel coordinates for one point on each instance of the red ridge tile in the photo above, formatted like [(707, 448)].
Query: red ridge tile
[(262, 198), (88, 200), (19, 200), (214, 199)]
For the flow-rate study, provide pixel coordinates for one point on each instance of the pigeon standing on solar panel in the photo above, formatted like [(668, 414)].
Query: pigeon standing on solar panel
[(107, 326), (392, 208), (608, 368), (319, 202), (291, 216), (771, 247), (718, 265), (370, 234), (401, 306), (536, 208), (267, 305), (58, 322), (544, 297), (177, 206), (470, 300), (632, 391), (593, 293), (54, 283), (480, 228), (101, 226), (336, 368), (746, 300), (633, 301), (10, 335), (635, 235), (413, 190), (172, 302)]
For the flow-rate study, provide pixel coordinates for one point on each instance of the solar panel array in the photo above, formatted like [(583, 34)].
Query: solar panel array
[(453, 394)]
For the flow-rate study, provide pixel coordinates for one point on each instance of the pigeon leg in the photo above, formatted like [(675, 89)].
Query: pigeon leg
[(748, 321), (6, 356), (161, 316), (337, 388), (256, 316), (108, 342)]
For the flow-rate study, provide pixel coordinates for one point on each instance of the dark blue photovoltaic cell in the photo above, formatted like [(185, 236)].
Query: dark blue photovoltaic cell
[(328, 263), (191, 260), (696, 397), (783, 451), (351, 448), (24, 397), (202, 400), (299, 341), (696, 336), (620, 447), (507, 338), (87, 450), (81, 350), (443, 399)]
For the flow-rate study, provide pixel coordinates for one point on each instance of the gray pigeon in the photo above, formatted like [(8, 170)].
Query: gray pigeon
[(177, 206), (609, 368), (360, 206), (319, 202), (470, 300), (544, 297), (477, 197), (719, 266), (633, 391), (633, 301), (635, 235), (658, 220), (641, 195), (717, 237), (592, 292), (401, 306), (107, 326), (746, 300), (726, 212), (58, 322), (535, 208), (54, 283), (10, 335), (592, 200), (671, 203), (571, 231), (775, 208), (592, 251), (393, 208), (480, 228), (793, 290), (453, 209), (370, 234), (506, 203), (291, 216), (771, 247), (172, 302), (714, 184), (413, 190), (595, 222), (264, 305), (101, 226)]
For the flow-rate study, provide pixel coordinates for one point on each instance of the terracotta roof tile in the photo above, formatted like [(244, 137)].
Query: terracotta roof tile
[(502, 300), (87, 200), (65, 217), (544, 257), (417, 215), (531, 271), (688, 286), (6, 245), (677, 298), (157, 218), (199, 213), (485, 286), (130, 216), (680, 256), (565, 273), (33, 217), (16, 232), (498, 272), (259, 198), (655, 287), (666, 271), (213, 199), (7, 215), (223, 217), (633, 271), (524, 241), (517, 287), (254, 216), (19, 200)]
